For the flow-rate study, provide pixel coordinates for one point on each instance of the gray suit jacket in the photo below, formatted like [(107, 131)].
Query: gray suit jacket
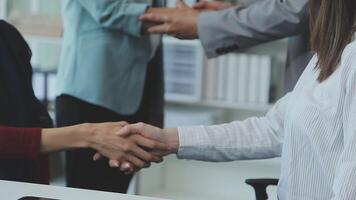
[(236, 29)]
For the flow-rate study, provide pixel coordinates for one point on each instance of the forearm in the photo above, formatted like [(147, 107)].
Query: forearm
[(171, 139), (72, 137)]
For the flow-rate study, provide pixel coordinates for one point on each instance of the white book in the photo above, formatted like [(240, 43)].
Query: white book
[(51, 87), (222, 60), (38, 84), (215, 83), (231, 77), (265, 79), (242, 78), (3, 9), (209, 79), (253, 91)]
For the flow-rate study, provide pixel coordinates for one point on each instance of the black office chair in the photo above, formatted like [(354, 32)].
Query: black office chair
[(260, 187)]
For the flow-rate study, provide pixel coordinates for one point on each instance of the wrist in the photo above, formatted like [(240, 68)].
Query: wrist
[(82, 135), (172, 139)]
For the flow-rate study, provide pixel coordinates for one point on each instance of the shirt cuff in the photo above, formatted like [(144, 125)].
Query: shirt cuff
[(190, 141)]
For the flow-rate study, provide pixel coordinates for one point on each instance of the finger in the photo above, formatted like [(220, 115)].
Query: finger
[(200, 5), (97, 156), (122, 123), (141, 154), (126, 166), (158, 18), (150, 144), (135, 161), (157, 159), (114, 163), (181, 4), (160, 29)]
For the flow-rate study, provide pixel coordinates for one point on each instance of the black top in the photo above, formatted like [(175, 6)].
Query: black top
[(18, 105)]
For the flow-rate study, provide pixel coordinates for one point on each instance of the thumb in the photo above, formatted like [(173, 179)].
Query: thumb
[(200, 5), (181, 4), (125, 131), (130, 129)]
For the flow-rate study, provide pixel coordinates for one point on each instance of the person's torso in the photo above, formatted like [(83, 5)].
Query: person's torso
[(313, 139), (18, 105), (102, 65)]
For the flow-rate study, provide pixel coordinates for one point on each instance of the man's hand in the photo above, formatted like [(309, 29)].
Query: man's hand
[(205, 5), (165, 136), (134, 149), (180, 22)]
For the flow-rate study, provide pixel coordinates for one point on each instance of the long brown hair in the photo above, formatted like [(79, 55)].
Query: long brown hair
[(332, 25)]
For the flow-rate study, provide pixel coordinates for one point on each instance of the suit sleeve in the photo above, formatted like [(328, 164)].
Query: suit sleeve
[(235, 29), (116, 14), (20, 143)]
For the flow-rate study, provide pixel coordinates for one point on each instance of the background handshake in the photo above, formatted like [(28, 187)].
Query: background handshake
[(182, 21), (130, 147)]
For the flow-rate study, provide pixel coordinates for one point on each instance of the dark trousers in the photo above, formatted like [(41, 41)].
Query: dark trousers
[(81, 171)]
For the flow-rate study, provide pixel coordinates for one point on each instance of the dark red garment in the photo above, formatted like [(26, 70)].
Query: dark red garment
[(24, 144)]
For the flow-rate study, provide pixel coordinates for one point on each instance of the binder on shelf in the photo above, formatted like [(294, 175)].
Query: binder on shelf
[(209, 83), (254, 82), (243, 74), (265, 79), (231, 95), (38, 84), (3, 9), (183, 68), (222, 76), (51, 87)]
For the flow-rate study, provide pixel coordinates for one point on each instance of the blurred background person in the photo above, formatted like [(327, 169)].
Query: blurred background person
[(223, 28), (109, 71)]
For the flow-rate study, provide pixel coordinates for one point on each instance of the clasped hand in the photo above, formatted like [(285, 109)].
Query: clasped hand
[(130, 147), (180, 22)]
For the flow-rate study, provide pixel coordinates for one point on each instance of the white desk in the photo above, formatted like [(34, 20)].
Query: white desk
[(15, 190)]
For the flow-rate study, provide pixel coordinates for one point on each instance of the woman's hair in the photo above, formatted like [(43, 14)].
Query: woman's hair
[(332, 24)]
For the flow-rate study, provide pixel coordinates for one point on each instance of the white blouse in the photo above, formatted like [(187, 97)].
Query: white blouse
[(313, 129)]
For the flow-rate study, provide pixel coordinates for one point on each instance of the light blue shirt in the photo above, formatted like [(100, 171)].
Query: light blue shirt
[(104, 55)]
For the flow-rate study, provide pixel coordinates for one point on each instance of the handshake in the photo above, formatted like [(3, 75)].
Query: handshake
[(131, 147), (180, 22)]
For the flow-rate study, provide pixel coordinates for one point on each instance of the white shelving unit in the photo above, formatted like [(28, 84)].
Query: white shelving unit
[(222, 105)]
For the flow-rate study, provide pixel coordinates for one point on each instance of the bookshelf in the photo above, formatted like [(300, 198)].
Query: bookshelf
[(222, 105)]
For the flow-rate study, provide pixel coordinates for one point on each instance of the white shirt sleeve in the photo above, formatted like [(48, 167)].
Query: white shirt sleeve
[(254, 138), (344, 187)]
